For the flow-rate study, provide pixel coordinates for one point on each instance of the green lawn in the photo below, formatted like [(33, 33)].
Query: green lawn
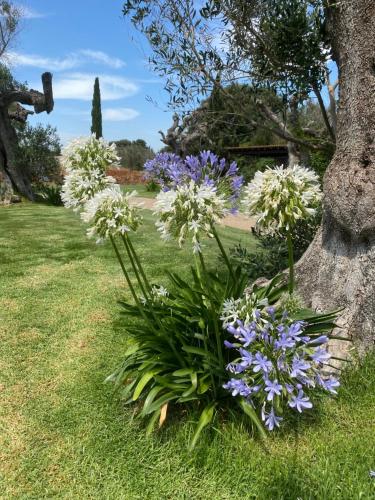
[(141, 190), (62, 432)]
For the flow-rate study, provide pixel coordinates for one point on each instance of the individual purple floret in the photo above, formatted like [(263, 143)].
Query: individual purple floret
[(271, 312), (323, 339), (295, 329), (299, 367), (284, 342), (320, 355), (246, 357), (273, 388), (271, 420), (237, 386), (247, 335), (300, 402), (235, 368), (262, 363), (330, 384)]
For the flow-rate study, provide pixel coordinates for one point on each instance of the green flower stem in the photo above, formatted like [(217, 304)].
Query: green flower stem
[(131, 258), (290, 262), (139, 264), (136, 299), (205, 335), (136, 264), (140, 307), (223, 252), (216, 326)]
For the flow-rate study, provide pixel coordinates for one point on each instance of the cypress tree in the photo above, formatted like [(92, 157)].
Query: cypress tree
[(96, 112)]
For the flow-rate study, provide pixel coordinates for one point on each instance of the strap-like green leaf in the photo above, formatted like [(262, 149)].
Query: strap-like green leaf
[(250, 412), (183, 372), (143, 382), (152, 422), (159, 402), (205, 418), (150, 398)]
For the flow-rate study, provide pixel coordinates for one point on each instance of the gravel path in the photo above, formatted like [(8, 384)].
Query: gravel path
[(238, 221)]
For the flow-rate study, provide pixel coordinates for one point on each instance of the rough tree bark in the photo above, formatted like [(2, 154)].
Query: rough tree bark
[(338, 269), (12, 176)]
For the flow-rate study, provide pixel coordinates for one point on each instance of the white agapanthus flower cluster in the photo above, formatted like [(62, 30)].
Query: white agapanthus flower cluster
[(109, 213), (89, 153), (189, 209), (86, 160), (241, 309), (80, 186), (279, 196)]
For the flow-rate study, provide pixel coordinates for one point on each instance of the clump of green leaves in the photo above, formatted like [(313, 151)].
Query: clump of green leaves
[(49, 193), (182, 359)]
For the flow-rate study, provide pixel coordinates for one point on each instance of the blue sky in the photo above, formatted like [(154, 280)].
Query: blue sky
[(77, 41)]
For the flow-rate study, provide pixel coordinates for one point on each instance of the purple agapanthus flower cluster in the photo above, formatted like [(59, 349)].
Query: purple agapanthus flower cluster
[(169, 171), (278, 364), (165, 169)]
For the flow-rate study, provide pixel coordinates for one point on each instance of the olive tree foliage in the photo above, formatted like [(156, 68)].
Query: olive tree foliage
[(10, 16), (276, 45), (221, 121)]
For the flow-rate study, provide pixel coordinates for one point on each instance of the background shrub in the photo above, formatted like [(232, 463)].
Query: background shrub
[(38, 151), (134, 154), (49, 193), (272, 255)]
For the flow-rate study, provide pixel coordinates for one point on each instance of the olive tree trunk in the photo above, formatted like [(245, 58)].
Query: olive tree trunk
[(13, 178), (338, 269)]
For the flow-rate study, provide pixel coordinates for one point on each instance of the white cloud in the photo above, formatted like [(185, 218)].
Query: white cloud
[(36, 61), (70, 61), (102, 57), (119, 114), (80, 86)]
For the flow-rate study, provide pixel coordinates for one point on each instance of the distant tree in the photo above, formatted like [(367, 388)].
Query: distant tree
[(224, 119), (134, 154), (38, 148), (96, 112)]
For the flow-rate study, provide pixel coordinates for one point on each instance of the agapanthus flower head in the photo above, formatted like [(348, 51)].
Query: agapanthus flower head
[(190, 210), (80, 186), (279, 196), (171, 171), (278, 363), (209, 169), (166, 169), (245, 307), (109, 213), (89, 153)]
